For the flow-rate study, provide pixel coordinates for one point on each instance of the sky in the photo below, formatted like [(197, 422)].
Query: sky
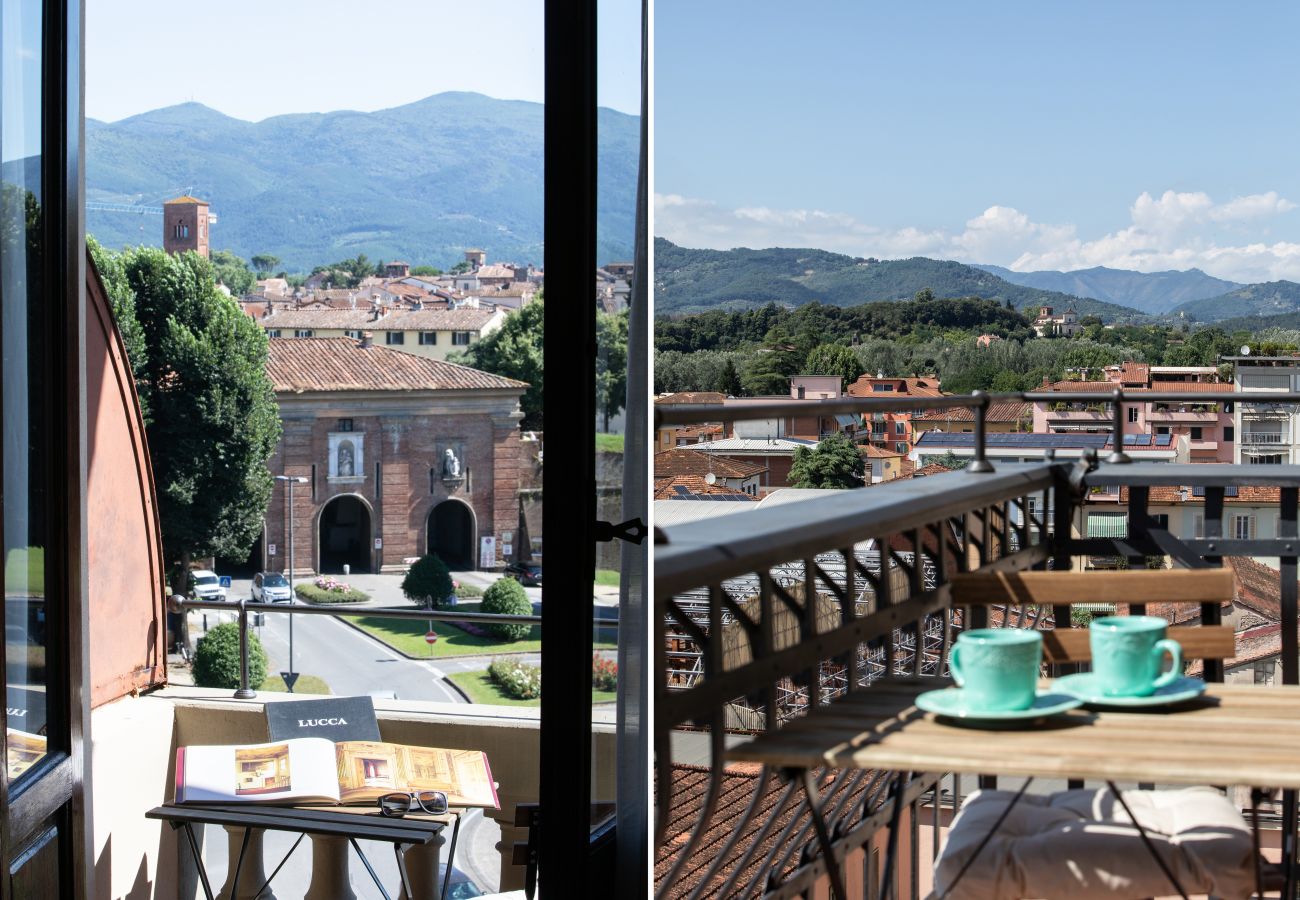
[(252, 59), (1147, 136)]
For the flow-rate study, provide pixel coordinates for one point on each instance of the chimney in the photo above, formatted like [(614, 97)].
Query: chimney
[(366, 337)]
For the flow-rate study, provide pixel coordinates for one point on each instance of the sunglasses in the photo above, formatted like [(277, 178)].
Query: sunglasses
[(397, 805)]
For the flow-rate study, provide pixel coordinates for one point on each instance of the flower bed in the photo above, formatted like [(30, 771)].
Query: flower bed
[(326, 590), (516, 679)]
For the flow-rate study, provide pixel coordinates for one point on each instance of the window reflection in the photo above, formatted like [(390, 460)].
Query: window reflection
[(23, 387)]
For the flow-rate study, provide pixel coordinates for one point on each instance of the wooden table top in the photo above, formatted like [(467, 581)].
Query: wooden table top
[(1233, 735)]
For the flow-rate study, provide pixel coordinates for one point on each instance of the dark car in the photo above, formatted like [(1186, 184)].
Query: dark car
[(527, 573)]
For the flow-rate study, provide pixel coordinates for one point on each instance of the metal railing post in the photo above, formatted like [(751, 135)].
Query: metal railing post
[(1117, 454), (981, 462), (245, 692)]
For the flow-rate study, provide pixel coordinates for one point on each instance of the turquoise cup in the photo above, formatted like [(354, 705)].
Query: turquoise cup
[(1128, 653), (997, 668)]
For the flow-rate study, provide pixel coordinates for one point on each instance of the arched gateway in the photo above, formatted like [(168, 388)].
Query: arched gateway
[(452, 534), (345, 535)]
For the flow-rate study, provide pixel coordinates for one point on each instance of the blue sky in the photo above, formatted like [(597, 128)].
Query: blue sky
[(1146, 135), (257, 58)]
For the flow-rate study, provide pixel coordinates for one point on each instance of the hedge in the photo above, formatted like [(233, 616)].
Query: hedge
[(216, 658), (313, 594), (505, 596)]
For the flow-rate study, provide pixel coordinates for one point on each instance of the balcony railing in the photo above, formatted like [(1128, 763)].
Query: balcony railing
[(1264, 437), (766, 614), (1195, 417)]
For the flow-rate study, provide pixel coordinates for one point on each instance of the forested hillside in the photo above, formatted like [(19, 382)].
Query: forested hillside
[(689, 280), (1268, 299), (1150, 292)]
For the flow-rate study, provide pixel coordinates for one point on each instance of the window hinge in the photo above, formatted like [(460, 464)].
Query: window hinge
[(633, 531)]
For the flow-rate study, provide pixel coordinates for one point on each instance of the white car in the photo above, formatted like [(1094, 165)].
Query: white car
[(271, 587), (205, 585)]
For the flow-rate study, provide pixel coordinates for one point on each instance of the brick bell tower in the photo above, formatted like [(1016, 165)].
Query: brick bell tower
[(185, 225)]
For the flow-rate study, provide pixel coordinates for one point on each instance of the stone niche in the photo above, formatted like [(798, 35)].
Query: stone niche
[(346, 464), (451, 467)]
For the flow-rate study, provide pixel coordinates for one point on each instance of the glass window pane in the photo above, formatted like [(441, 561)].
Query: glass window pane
[(23, 398)]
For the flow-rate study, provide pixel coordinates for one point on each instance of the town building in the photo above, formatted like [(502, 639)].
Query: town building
[(430, 333), (772, 455), (1204, 423), (884, 465), (402, 456), (894, 430), (931, 446), (397, 269), (476, 258), (1267, 431), (1049, 324), (740, 475), (1001, 417), (186, 221)]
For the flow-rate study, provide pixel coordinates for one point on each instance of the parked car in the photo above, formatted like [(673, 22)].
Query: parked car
[(526, 573), (271, 587), (205, 585)]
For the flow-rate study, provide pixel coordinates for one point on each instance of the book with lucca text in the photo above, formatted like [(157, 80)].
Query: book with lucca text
[(317, 771)]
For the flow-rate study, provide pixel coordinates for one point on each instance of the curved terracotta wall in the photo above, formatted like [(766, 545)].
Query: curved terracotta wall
[(127, 618)]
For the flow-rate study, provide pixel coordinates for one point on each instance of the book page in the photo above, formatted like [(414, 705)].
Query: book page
[(24, 750), (464, 775), (297, 771), (368, 770)]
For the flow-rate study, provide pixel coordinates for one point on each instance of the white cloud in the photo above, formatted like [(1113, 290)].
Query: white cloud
[(1177, 230)]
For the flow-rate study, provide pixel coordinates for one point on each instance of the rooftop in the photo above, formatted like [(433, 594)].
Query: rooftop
[(395, 320), (297, 365), (681, 461), (998, 411)]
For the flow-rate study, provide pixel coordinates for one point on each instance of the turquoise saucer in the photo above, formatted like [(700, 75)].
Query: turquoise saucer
[(953, 702), (1083, 685)]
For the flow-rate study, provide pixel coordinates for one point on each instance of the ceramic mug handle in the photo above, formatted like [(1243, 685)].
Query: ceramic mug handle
[(1175, 651), (953, 667)]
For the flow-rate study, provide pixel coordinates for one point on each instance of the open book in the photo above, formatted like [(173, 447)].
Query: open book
[(314, 770)]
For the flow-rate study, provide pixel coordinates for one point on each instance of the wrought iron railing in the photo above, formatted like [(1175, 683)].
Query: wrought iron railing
[(767, 613)]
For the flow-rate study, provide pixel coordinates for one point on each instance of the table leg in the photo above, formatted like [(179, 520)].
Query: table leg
[(451, 857), (1142, 833), (399, 851), (891, 850), (816, 811), (198, 860), (369, 868), (239, 864), (267, 883)]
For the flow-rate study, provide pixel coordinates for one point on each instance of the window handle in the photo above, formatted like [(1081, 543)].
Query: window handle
[(633, 531)]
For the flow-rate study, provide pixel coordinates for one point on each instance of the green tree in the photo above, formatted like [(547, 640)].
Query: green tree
[(265, 263), (611, 365), (233, 272), (729, 379), (833, 463), (213, 417), (425, 270), (460, 268), (216, 659), (428, 582), (951, 460), (834, 359), (924, 295), (122, 299), (515, 351), (505, 596)]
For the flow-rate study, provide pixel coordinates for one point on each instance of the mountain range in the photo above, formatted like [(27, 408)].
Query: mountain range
[(1270, 299), (1151, 292), (688, 280), (420, 182)]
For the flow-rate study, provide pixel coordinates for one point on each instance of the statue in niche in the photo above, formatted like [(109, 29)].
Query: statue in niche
[(346, 467), (450, 464)]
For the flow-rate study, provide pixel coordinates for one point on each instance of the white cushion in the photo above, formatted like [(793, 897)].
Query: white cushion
[(1081, 844)]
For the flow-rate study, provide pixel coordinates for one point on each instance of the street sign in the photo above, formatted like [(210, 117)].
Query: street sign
[(289, 679), (379, 543), (270, 549), (225, 581), (430, 636), (487, 554)]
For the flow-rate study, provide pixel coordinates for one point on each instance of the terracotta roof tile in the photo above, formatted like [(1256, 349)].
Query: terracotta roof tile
[(185, 198), (666, 488), (298, 365), (397, 320), (1169, 387), (686, 461), (1001, 411), (692, 397)]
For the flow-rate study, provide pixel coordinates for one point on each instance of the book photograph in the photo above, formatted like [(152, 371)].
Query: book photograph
[(262, 770)]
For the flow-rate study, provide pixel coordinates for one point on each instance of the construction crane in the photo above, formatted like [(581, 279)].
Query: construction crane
[(142, 206)]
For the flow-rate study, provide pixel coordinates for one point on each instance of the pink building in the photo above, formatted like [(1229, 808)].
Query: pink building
[(1201, 425)]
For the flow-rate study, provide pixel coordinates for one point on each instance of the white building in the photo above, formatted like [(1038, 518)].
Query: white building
[(1266, 432)]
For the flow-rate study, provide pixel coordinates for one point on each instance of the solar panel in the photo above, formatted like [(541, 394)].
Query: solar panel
[(681, 489), (1230, 491)]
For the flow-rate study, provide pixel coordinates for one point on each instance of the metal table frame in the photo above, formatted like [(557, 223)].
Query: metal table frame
[(402, 833)]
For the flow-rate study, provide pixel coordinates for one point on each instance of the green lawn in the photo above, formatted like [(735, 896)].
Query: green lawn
[(607, 578), (25, 571), (481, 689), (306, 684), (407, 636), (609, 443)]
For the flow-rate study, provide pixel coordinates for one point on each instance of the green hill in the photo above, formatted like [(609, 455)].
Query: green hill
[(420, 182), (1269, 299), (1150, 292), (689, 280)]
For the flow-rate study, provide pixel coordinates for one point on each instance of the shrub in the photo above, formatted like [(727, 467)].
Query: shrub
[(516, 679), (506, 596), (313, 593), (216, 658), (467, 591), (428, 582), (604, 673)]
